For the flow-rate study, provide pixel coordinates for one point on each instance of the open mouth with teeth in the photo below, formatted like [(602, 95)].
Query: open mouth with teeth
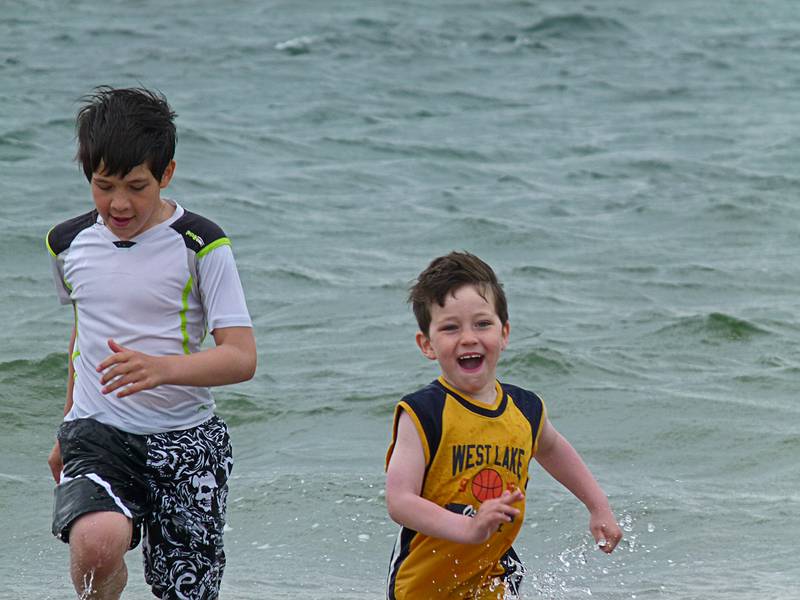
[(470, 362)]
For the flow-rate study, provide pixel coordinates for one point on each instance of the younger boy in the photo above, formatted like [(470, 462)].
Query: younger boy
[(458, 460), (140, 447)]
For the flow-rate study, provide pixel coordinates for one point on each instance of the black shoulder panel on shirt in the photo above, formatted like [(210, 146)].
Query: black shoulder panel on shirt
[(528, 403), (60, 237), (428, 405), (197, 232)]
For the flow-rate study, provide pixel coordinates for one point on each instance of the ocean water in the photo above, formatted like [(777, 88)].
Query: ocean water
[(629, 169)]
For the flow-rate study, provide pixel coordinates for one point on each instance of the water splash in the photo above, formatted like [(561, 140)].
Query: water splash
[(88, 586), (578, 568)]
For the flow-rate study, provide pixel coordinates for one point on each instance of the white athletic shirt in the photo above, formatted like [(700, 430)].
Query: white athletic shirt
[(158, 293)]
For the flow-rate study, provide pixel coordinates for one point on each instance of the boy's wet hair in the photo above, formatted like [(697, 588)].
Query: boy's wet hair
[(444, 276), (123, 128)]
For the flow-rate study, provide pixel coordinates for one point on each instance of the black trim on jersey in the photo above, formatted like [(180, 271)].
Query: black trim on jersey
[(62, 235), (406, 537), (428, 406), (529, 405), (471, 406), (124, 244), (197, 231)]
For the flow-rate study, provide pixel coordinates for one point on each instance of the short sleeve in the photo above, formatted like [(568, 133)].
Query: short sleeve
[(58, 241), (221, 289), (62, 288), (57, 268)]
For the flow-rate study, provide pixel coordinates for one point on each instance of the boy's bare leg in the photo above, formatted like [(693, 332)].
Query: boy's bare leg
[(98, 542)]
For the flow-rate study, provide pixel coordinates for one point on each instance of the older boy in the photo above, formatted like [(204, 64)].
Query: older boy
[(140, 447), (461, 447)]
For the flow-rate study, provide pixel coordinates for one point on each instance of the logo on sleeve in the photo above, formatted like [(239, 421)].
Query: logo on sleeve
[(195, 237)]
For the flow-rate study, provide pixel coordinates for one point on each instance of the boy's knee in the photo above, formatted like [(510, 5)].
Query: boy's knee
[(99, 540)]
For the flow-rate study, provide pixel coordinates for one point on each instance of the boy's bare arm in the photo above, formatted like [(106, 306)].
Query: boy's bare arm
[(54, 459), (406, 506), (232, 360), (562, 461)]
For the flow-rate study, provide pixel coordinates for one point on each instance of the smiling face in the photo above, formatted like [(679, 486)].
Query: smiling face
[(466, 336), (132, 204)]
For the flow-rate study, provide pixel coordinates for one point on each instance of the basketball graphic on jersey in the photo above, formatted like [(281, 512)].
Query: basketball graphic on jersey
[(486, 485)]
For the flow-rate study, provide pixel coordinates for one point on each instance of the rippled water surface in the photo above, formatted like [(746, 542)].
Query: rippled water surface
[(630, 170)]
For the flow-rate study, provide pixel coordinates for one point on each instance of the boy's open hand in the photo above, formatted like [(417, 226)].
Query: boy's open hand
[(605, 529), (130, 370), (492, 514)]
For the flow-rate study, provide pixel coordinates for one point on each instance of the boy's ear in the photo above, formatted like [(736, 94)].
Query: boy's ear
[(504, 339), (425, 345), (167, 176)]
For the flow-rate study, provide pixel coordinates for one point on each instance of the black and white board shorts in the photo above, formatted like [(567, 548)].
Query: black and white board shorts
[(173, 486)]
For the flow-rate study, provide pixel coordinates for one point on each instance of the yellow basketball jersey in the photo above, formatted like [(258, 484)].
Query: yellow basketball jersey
[(473, 451)]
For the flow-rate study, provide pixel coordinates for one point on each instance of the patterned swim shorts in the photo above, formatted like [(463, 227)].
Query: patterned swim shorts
[(173, 486)]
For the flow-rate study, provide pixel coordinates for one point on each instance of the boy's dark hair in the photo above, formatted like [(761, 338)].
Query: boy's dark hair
[(123, 128), (445, 275)]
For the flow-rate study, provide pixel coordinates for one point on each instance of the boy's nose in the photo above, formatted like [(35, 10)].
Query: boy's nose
[(119, 200), (468, 337)]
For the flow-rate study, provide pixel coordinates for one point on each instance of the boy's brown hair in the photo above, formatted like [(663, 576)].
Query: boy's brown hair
[(122, 128), (444, 276)]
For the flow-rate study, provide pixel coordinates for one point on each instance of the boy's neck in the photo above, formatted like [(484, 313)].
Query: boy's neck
[(485, 399)]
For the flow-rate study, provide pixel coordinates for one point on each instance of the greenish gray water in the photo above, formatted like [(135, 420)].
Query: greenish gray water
[(629, 168)]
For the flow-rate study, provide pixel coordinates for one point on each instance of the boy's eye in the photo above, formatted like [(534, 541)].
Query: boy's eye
[(484, 324), (138, 188), (449, 327)]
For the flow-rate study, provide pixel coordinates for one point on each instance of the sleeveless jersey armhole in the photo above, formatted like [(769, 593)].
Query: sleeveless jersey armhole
[(538, 432), (532, 406), (404, 406)]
